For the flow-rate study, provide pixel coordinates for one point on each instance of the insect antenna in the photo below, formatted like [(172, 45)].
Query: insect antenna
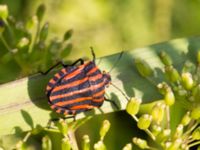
[(120, 91), (93, 54), (116, 62)]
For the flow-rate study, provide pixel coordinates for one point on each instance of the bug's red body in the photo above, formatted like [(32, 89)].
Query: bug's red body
[(75, 89)]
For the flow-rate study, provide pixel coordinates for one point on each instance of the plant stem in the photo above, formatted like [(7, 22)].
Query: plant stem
[(10, 30), (73, 141), (150, 134), (146, 130), (27, 136), (135, 118), (190, 129), (193, 144), (168, 116), (5, 43), (34, 38)]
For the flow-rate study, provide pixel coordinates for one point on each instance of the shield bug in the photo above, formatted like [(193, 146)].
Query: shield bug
[(77, 88)]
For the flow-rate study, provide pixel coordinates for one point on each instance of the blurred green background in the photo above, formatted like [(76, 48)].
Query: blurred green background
[(110, 27)]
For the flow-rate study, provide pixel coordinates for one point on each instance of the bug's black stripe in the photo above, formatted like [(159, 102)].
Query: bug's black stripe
[(99, 97), (79, 76), (50, 84), (83, 85), (86, 101), (95, 73), (90, 66), (78, 95), (62, 110), (87, 93), (98, 89), (71, 89), (75, 96), (55, 79), (61, 73), (70, 70), (80, 110)]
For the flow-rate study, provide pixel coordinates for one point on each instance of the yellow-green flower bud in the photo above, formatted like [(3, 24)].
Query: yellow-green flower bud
[(99, 146), (32, 23), (187, 80), (3, 12), (163, 87), (186, 119), (127, 147), (144, 121), (196, 134), (86, 143), (198, 57), (156, 129), (66, 144), (104, 129), (178, 132), (141, 143), (184, 146), (169, 97), (165, 58), (158, 112), (196, 93), (172, 74), (46, 143), (133, 106), (143, 68), (23, 42), (195, 113), (163, 136), (62, 126), (175, 145)]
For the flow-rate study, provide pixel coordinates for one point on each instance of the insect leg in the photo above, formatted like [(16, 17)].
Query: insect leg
[(57, 119), (68, 117), (57, 64), (112, 102), (79, 60), (61, 63)]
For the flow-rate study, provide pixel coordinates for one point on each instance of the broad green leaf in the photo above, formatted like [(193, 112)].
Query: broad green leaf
[(28, 94)]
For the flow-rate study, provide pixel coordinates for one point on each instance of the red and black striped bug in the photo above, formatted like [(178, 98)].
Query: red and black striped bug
[(77, 88)]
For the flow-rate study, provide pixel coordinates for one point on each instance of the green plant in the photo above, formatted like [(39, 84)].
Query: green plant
[(180, 91), (25, 45)]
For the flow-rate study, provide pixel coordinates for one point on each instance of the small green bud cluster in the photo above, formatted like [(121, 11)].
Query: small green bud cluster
[(181, 88), (27, 44), (99, 145)]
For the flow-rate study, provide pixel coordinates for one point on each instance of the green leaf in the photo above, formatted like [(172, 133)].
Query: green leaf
[(67, 35), (65, 52), (44, 32), (28, 93), (40, 12)]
